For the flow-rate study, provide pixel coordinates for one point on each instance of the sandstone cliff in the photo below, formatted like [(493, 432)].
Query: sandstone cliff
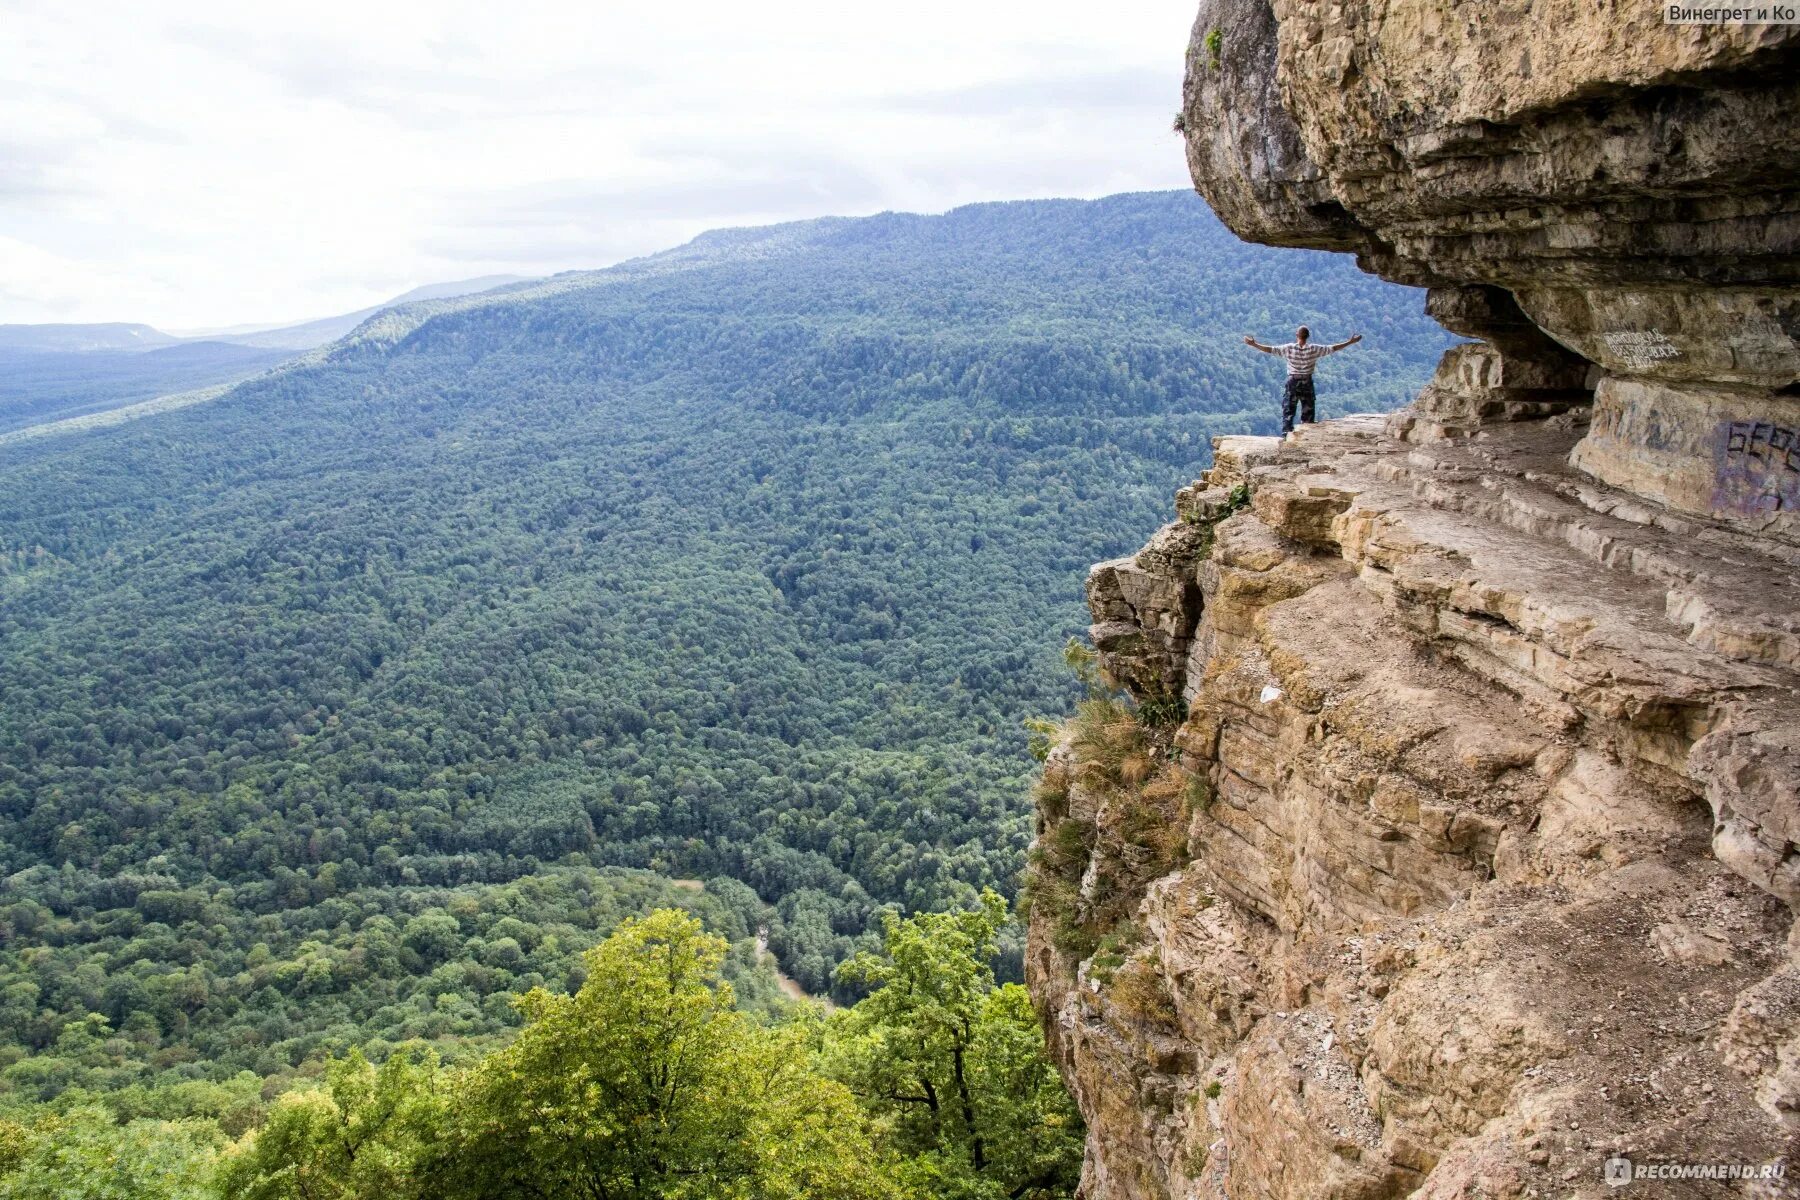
[(1452, 848)]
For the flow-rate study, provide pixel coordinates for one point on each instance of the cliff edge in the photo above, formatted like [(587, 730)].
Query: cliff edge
[(1451, 848)]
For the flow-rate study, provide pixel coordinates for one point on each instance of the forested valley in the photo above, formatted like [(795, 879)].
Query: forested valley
[(340, 713)]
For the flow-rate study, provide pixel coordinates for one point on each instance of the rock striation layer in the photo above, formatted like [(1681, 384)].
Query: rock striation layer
[(1472, 733)]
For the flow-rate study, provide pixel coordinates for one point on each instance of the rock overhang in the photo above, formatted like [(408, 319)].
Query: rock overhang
[(1581, 185)]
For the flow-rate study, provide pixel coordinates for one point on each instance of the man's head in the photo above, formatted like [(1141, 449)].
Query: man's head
[(1301, 334)]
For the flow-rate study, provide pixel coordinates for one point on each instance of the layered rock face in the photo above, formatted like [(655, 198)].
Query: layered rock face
[(1472, 734)]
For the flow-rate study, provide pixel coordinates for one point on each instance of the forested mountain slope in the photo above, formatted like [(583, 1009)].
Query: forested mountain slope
[(746, 560)]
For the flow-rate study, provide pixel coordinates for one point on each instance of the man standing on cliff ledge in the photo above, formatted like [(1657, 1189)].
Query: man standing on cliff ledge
[(1302, 355)]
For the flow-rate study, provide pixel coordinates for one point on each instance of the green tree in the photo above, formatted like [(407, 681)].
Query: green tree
[(953, 1067), (361, 1135), (85, 1154), (648, 1083)]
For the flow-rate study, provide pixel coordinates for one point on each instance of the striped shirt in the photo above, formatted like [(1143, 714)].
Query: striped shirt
[(1302, 359)]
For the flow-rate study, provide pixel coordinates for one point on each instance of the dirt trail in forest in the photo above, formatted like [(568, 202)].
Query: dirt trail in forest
[(788, 985)]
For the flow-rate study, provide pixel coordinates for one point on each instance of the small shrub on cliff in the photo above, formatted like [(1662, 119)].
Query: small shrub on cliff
[(1051, 791), (1215, 43), (1121, 759), (1072, 938), (1162, 711), (1197, 798), (1066, 848), (1139, 992), (1041, 736), (1111, 951), (1084, 661), (1053, 898), (1052, 891), (1158, 822), (1236, 500), (1108, 745)]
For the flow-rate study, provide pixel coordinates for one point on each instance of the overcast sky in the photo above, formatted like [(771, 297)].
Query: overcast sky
[(198, 164)]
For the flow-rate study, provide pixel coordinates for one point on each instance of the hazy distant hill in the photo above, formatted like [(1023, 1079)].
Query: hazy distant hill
[(81, 339), (36, 387), (309, 334), (54, 372), (744, 560)]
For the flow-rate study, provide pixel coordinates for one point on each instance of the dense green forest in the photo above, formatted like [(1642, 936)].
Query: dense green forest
[(337, 712), (648, 1081)]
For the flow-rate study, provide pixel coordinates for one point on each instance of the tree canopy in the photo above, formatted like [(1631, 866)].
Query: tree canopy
[(647, 1083), (952, 1066)]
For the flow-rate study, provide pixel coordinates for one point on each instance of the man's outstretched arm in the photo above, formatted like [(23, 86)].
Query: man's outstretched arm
[(1256, 345), (1349, 341)]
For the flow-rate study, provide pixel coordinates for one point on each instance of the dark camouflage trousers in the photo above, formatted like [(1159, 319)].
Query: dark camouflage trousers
[(1299, 393)]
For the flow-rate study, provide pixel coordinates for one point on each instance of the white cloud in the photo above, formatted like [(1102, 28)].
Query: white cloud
[(230, 163)]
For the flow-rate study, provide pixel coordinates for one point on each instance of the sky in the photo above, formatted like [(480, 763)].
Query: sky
[(200, 165)]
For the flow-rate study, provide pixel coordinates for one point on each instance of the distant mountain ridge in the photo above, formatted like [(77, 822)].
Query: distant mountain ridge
[(53, 373), (82, 339), (307, 335), (56, 338)]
